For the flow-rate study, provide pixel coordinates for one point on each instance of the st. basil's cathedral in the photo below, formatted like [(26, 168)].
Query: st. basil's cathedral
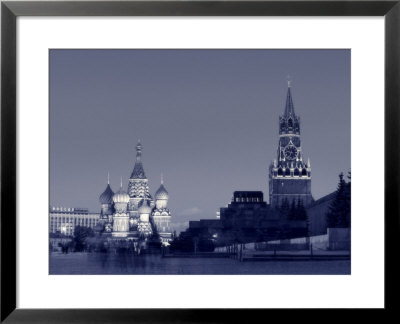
[(134, 214)]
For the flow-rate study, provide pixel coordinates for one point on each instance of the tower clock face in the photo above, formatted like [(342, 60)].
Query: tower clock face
[(290, 152)]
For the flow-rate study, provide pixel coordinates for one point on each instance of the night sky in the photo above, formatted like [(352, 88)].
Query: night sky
[(207, 119)]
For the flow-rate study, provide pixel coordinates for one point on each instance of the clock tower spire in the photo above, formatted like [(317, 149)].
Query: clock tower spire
[(289, 176)]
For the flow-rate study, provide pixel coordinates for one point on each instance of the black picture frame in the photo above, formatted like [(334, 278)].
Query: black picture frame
[(10, 10)]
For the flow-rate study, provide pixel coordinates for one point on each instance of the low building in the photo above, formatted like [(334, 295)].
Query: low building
[(248, 218), (64, 219), (246, 210)]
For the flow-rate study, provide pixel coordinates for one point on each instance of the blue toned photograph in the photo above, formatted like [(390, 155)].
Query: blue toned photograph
[(200, 162)]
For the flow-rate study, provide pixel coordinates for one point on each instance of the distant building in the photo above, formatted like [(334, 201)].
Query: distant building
[(289, 174), (63, 220)]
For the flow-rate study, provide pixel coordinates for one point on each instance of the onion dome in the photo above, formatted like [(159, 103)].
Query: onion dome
[(144, 207), (121, 196), (107, 195), (161, 193)]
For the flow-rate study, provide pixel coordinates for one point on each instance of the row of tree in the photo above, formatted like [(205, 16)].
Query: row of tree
[(293, 210), (339, 214)]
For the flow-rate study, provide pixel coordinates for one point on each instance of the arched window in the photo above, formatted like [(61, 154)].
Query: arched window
[(290, 122), (287, 172), (280, 172), (304, 172), (296, 172)]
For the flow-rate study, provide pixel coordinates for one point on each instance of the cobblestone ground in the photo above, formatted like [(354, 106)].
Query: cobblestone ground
[(103, 263)]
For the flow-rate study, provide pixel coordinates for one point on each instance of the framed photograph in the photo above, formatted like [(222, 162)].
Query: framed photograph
[(180, 160)]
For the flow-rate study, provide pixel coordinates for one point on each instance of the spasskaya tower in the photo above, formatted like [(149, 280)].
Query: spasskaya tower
[(289, 173)]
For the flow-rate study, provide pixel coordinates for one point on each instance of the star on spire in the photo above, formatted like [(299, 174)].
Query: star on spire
[(289, 81), (289, 107), (138, 150)]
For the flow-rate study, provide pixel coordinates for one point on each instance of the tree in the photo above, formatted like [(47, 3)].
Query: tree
[(292, 214), (339, 210), (301, 210), (206, 245), (183, 243), (81, 234), (302, 215), (284, 209)]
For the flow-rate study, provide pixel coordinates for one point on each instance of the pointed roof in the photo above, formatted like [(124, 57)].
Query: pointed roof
[(138, 171), (289, 107)]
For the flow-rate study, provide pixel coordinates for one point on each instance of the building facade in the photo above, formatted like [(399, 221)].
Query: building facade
[(63, 220), (289, 173)]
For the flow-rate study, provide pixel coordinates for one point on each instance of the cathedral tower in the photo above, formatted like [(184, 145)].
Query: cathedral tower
[(144, 225), (289, 174), (161, 214), (106, 202), (121, 215), (138, 187)]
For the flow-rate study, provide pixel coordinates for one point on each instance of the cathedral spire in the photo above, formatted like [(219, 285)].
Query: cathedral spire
[(138, 172), (138, 151), (108, 177), (162, 178)]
